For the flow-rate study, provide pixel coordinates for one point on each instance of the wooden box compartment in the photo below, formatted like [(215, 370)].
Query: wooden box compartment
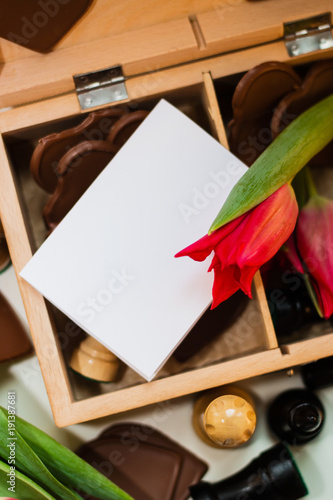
[(246, 349), (291, 340)]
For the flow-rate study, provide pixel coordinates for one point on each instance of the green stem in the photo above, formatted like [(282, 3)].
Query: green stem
[(299, 185), (312, 295), (309, 182)]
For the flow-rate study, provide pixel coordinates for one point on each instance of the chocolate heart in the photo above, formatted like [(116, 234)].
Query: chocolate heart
[(50, 149), (125, 126), (317, 85), (253, 103), (77, 170), (39, 24)]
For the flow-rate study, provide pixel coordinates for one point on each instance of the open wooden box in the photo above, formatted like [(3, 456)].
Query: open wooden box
[(182, 53)]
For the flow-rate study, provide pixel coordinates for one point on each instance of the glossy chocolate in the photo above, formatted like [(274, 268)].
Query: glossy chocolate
[(144, 462), (13, 338), (44, 164), (268, 98), (77, 170), (317, 85), (122, 130), (255, 97), (39, 24)]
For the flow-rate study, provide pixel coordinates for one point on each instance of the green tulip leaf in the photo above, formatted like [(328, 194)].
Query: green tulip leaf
[(312, 295), (300, 141), (66, 466), (29, 463), (300, 188), (25, 488)]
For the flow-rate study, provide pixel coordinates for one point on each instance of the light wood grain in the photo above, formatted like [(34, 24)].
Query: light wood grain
[(41, 327), (154, 84), (216, 114), (238, 25), (228, 27), (106, 18), (214, 110), (197, 380), (50, 75)]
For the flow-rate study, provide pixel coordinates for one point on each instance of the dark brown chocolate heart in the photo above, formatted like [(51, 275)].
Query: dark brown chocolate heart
[(125, 126), (253, 103), (39, 24), (45, 159), (144, 462), (317, 85), (13, 338), (77, 170)]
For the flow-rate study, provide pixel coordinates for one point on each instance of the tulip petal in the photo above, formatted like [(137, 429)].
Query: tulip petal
[(242, 246), (224, 285), (326, 299), (290, 251), (314, 235), (267, 227), (246, 277), (200, 249)]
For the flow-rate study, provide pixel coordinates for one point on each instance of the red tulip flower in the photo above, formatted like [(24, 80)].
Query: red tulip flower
[(310, 249), (243, 245)]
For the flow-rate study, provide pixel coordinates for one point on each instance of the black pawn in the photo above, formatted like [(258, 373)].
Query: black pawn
[(296, 416), (273, 475)]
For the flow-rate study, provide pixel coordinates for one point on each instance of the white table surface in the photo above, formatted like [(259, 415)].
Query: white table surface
[(174, 417)]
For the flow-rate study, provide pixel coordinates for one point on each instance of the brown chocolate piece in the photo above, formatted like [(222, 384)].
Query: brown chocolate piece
[(77, 170), (4, 253), (125, 126), (13, 338), (144, 462), (253, 103), (211, 324), (39, 24), (47, 155), (317, 85)]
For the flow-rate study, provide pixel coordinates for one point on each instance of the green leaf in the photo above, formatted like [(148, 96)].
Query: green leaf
[(300, 188), (25, 488), (304, 137), (312, 295), (29, 463), (67, 466)]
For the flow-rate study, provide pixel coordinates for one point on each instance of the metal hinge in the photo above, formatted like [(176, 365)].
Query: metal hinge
[(100, 87), (308, 35)]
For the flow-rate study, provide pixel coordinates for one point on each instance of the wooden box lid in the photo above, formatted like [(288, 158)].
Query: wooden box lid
[(145, 38)]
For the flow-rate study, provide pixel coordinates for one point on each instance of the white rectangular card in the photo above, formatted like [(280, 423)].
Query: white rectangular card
[(110, 266)]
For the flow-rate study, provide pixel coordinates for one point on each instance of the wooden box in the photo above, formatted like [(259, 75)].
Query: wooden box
[(180, 51)]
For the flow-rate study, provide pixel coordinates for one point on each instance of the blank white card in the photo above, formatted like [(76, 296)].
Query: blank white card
[(110, 266)]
